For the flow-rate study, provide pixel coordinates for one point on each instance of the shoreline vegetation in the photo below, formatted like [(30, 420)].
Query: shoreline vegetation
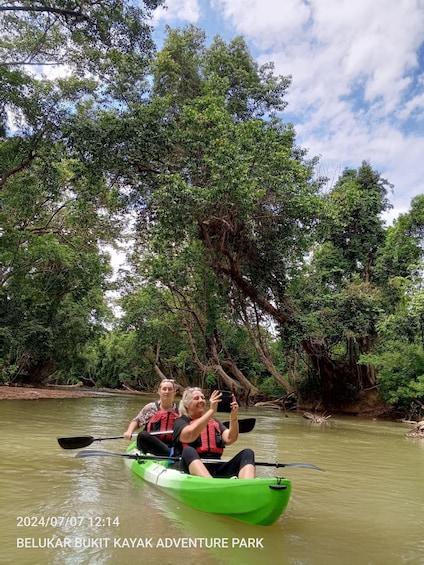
[(22, 392), (31, 392)]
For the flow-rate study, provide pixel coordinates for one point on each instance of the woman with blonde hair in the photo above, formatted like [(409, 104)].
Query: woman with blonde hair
[(198, 435), (157, 416)]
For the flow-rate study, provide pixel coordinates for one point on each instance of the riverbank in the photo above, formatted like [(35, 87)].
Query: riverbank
[(10, 392), (365, 409)]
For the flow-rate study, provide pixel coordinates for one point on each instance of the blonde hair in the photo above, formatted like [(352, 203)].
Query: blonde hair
[(186, 399), (167, 381)]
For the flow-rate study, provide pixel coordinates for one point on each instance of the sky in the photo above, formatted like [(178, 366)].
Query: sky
[(357, 70)]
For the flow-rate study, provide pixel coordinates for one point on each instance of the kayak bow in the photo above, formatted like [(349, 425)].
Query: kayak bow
[(258, 501)]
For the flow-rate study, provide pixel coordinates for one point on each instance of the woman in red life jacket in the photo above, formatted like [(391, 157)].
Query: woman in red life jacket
[(197, 435), (159, 416)]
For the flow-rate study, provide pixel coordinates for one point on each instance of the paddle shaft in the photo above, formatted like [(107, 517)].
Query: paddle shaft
[(78, 442), (141, 457)]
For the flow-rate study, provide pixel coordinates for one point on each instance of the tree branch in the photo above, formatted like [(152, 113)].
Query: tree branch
[(79, 16), (17, 169)]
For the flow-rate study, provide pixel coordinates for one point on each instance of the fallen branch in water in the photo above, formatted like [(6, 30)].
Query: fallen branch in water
[(417, 431), (317, 418)]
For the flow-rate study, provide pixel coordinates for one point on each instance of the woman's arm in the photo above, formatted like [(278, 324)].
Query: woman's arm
[(142, 418), (231, 434), (132, 426)]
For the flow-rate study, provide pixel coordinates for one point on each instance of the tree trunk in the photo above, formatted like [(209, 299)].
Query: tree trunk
[(159, 373), (264, 356)]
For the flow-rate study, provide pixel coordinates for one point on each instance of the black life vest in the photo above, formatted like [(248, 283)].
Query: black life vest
[(210, 439), (162, 421)]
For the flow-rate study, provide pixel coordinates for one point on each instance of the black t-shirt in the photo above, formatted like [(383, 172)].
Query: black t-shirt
[(179, 424)]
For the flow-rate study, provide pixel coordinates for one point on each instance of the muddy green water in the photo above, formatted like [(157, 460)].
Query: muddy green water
[(366, 508)]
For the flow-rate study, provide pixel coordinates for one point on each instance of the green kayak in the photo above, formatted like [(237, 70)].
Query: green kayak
[(257, 501)]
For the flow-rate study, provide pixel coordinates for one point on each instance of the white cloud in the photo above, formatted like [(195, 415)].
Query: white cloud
[(175, 10), (340, 41), (266, 22), (413, 106)]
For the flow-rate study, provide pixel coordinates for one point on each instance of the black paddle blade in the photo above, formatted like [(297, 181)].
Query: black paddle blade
[(246, 425), (77, 442)]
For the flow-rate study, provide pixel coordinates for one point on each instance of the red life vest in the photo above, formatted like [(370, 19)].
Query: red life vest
[(210, 439), (161, 421)]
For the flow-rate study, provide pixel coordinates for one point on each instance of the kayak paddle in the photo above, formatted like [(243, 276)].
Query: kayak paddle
[(142, 457), (78, 442)]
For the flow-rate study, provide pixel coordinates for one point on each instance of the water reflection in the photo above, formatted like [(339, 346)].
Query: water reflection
[(365, 508)]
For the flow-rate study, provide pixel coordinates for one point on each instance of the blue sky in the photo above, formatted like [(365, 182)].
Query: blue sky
[(357, 76)]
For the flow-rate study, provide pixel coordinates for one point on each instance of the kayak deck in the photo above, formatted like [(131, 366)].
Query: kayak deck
[(258, 501)]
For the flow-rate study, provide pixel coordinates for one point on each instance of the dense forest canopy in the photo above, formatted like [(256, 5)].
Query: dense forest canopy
[(246, 270)]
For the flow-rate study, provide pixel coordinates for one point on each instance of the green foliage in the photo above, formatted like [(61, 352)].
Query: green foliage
[(400, 373), (57, 210), (309, 388), (354, 224), (270, 389), (108, 40), (337, 290), (399, 262), (53, 274)]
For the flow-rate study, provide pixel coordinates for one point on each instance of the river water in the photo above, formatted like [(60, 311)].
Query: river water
[(367, 508)]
